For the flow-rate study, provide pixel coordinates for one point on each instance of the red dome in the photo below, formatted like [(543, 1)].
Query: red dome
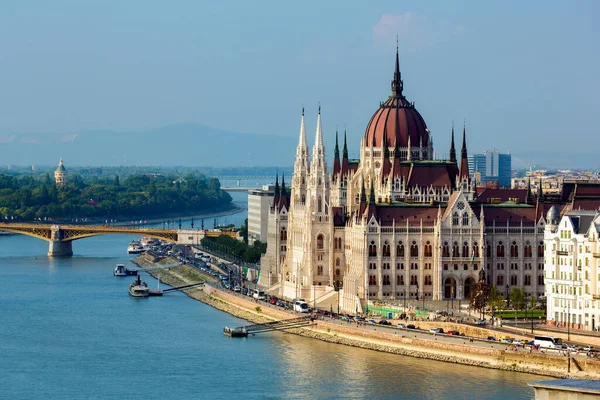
[(397, 120)]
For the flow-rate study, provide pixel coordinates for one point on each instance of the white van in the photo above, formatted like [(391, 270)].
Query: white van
[(300, 306), (259, 294)]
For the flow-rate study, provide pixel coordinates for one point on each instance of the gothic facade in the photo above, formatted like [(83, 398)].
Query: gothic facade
[(397, 223)]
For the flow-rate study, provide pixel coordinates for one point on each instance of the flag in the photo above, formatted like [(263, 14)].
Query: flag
[(473, 254)]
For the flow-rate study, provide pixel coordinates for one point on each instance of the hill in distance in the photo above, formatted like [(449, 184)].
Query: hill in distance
[(182, 144)]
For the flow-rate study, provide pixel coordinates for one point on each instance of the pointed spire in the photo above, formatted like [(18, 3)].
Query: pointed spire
[(302, 141), (336, 157), (276, 183), (319, 132), (409, 151), (452, 149), (363, 194), (345, 149), (464, 162), (372, 194), (540, 193), (463, 151), (529, 195), (397, 84), (283, 192)]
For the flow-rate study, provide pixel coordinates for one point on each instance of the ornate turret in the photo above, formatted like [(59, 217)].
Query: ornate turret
[(301, 166), (397, 84), (529, 195), (276, 196), (60, 174), (345, 162), (540, 192)]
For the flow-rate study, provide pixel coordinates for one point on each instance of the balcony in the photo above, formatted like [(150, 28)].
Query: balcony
[(596, 255), (562, 253)]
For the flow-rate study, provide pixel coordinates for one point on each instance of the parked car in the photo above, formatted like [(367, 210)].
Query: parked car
[(410, 326), (491, 338), (506, 341), (436, 330), (401, 326), (384, 322), (358, 318), (273, 300), (455, 333), (372, 322), (588, 348), (480, 322)]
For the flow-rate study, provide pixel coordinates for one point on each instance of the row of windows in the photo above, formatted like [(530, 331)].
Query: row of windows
[(465, 267), (514, 280), (386, 280)]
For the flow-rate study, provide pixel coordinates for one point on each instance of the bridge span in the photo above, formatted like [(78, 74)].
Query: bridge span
[(61, 237)]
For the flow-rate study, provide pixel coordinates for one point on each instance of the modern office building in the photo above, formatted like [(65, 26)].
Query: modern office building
[(491, 166), (259, 202)]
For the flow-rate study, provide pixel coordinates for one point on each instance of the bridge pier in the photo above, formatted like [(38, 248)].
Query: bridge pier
[(59, 248)]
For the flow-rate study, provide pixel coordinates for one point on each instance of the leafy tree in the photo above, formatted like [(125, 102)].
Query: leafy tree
[(518, 298), (495, 299), (478, 298), (244, 231)]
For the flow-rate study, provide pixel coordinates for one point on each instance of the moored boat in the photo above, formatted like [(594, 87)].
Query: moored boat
[(135, 247), (138, 288), (120, 270)]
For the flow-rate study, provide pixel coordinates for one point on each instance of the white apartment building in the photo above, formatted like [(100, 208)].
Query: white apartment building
[(572, 254)]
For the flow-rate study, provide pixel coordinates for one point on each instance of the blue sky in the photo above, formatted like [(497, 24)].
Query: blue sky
[(524, 75)]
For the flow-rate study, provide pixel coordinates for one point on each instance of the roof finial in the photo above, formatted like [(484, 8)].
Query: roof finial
[(319, 107), (397, 84), (303, 110), (452, 149)]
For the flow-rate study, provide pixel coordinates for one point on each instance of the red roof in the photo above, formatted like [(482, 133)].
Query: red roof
[(426, 174), (398, 120), (388, 214)]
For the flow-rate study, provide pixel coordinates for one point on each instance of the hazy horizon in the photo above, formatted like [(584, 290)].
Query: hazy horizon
[(522, 75)]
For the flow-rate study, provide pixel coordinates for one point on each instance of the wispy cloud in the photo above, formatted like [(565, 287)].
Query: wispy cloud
[(7, 138), (69, 138), (30, 140), (415, 32)]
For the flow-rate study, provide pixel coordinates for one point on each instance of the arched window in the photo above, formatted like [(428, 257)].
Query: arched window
[(337, 272), (488, 249), (540, 249), (445, 250), (500, 250), (413, 280), (455, 250), (400, 280), (527, 251), (513, 280), (465, 218), (283, 235), (319, 204), (499, 280), (386, 280), (428, 280), (514, 249), (475, 250), (465, 250), (400, 250), (428, 249), (320, 242), (386, 249), (320, 270), (372, 249), (337, 262), (455, 219), (414, 250), (303, 199)]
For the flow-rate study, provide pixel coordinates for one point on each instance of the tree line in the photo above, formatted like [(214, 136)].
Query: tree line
[(29, 197)]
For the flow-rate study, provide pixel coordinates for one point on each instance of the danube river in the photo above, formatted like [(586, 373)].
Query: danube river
[(69, 330)]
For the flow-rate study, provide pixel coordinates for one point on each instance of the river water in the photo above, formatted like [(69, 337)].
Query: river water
[(69, 330)]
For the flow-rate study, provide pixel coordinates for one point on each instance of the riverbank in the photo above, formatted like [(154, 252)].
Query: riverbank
[(395, 342)]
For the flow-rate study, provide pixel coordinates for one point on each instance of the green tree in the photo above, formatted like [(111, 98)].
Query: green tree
[(495, 299), (478, 298), (244, 231), (518, 298)]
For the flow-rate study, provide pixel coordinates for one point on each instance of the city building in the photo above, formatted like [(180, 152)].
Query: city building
[(60, 174), (491, 166), (571, 268), (259, 203), (399, 224)]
